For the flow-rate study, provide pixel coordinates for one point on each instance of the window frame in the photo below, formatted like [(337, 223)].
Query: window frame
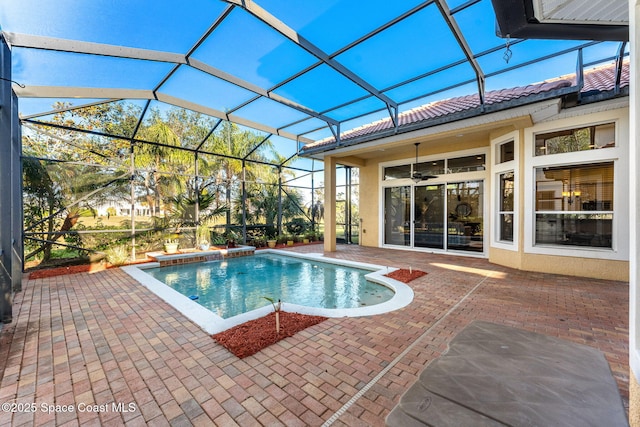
[(499, 168), (618, 155), (446, 177)]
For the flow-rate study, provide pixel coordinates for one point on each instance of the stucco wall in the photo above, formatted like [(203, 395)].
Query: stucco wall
[(369, 202), (572, 266), (634, 404)]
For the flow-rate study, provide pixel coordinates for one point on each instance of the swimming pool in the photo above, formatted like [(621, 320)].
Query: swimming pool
[(237, 285), (226, 297)]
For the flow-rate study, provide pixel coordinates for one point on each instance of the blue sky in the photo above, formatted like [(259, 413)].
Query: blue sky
[(247, 48)]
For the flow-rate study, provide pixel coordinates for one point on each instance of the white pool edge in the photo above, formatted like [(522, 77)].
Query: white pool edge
[(212, 323)]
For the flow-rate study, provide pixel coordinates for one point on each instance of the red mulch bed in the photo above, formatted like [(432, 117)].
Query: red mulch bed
[(404, 275), (252, 336), (71, 269)]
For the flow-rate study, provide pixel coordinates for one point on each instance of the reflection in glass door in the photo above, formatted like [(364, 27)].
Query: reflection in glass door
[(465, 216), (429, 218), (397, 216)]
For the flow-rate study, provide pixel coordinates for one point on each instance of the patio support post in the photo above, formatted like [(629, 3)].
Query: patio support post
[(228, 177), (196, 190), (330, 204), (313, 191), (17, 216), (347, 206), (244, 202), (279, 200), (8, 197), (133, 202)]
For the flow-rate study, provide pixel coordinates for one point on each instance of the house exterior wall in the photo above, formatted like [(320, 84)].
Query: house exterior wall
[(522, 252), (577, 261), (369, 203)]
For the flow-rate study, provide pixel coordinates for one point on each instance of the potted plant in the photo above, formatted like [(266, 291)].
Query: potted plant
[(218, 240), (171, 246), (202, 237), (290, 241), (271, 241), (309, 236), (232, 238)]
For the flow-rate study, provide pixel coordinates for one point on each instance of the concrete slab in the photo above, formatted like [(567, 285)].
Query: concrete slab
[(497, 375)]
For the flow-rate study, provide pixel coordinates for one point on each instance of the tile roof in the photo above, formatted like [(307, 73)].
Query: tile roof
[(600, 79)]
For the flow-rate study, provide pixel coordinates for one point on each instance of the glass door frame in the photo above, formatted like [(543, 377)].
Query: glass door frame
[(445, 181)]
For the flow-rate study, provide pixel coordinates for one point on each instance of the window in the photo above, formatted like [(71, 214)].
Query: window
[(435, 167), (571, 140), (472, 163), (506, 215), (397, 172), (505, 152), (574, 205), (466, 164), (504, 191)]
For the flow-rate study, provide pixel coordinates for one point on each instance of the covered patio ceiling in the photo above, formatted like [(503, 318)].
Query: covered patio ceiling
[(299, 71)]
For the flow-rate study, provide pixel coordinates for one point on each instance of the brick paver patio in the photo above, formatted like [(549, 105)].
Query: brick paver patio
[(99, 349)]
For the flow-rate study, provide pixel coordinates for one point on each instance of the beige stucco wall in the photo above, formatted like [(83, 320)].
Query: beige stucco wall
[(507, 258), (369, 202), (572, 266), (634, 403)]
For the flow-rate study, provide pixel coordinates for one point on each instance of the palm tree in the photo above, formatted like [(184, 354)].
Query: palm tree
[(158, 163), (226, 169)]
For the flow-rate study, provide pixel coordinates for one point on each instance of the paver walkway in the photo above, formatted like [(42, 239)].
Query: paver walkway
[(99, 349)]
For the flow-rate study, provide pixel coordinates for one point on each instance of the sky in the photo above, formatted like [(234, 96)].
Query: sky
[(409, 52)]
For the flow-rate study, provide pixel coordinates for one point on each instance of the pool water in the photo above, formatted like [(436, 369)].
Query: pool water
[(238, 285)]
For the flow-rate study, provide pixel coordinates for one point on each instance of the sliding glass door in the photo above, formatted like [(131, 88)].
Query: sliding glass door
[(397, 216), (465, 216), (445, 216), (429, 216)]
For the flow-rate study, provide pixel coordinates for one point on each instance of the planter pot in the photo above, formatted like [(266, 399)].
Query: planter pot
[(289, 242), (305, 240), (171, 248), (271, 243)]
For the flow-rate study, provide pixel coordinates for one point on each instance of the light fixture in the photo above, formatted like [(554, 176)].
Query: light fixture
[(417, 176), (571, 195)]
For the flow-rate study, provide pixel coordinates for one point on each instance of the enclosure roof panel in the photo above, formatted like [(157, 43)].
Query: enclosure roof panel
[(301, 70)]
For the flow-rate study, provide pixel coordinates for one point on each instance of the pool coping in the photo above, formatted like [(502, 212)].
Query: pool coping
[(212, 323)]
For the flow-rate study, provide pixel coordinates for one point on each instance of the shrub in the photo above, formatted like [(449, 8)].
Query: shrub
[(117, 255)]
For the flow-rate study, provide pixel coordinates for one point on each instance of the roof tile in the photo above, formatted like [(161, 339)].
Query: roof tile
[(597, 79)]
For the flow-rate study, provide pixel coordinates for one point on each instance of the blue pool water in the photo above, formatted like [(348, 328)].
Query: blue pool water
[(238, 285)]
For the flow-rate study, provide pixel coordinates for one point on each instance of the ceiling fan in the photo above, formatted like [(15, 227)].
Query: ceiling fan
[(418, 176)]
